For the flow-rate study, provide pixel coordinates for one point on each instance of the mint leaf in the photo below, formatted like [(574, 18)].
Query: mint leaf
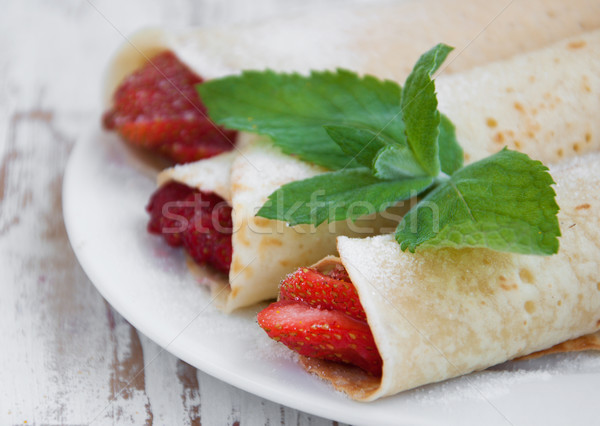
[(396, 162), (292, 109), (335, 196), (388, 158), (358, 142), (451, 154), (419, 109), (504, 202)]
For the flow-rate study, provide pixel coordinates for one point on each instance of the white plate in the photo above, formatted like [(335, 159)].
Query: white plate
[(105, 190)]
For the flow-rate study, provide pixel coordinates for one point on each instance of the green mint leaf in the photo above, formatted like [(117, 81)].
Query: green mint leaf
[(451, 154), (358, 142), (390, 159), (339, 195), (292, 109), (396, 162), (419, 109), (504, 202)]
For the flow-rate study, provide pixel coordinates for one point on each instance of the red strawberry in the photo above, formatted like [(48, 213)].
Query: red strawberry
[(324, 334), (323, 291), (168, 212), (157, 108), (199, 221), (208, 238)]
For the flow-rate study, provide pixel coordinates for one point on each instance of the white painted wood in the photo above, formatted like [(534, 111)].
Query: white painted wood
[(67, 357)]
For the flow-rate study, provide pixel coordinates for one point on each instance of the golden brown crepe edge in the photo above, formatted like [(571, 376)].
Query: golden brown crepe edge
[(588, 342)]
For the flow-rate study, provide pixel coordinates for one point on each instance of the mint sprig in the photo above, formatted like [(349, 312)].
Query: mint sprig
[(504, 202), (385, 144)]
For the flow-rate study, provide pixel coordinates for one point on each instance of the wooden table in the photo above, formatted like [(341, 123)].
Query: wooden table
[(67, 357)]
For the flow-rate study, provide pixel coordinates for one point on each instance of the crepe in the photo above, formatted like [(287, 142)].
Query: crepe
[(587, 342), (441, 313), (543, 103), (379, 39)]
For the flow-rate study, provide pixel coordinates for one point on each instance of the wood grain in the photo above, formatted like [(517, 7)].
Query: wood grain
[(67, 357)]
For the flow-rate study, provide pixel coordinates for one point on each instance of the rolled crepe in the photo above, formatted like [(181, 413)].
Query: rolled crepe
[(379, 39), (442, 313), (481, 108), (265, 250)]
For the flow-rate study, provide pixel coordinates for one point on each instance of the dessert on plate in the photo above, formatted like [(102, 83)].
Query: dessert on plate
[(508, 103), (253, 120)]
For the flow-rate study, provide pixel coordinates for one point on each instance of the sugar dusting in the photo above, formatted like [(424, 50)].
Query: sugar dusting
[(269, 350), (500, 380), (488, 384), (574, 167)]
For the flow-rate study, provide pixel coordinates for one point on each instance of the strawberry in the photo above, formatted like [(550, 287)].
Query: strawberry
[(333, 292), (324, 334), (208, 238), (199, 221), (165, 205), (157, 108)]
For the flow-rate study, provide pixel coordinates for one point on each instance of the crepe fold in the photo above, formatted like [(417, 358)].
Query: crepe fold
[(442, 313)]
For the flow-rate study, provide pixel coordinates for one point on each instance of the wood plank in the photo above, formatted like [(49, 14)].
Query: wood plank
[(57, 358)]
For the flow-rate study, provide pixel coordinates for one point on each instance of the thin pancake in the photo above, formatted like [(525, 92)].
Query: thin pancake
[(380, 39), (441, 313)]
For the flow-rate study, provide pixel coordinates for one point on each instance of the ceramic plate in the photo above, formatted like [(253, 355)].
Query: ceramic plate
[(106, 188)]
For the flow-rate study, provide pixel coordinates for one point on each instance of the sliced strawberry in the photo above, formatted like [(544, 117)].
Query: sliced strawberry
[(208, 238), (324, 334), (199, 221), (323, 291), (169, 214), (157, 108)]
